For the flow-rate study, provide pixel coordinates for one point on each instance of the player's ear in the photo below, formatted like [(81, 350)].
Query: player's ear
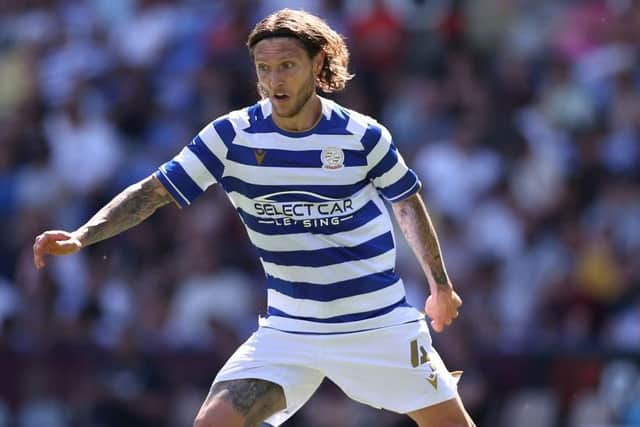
[(318, 62)]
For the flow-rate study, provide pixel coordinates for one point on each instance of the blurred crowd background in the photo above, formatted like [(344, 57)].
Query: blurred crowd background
[(522, 118)]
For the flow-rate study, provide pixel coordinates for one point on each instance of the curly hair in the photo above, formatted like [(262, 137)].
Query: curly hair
[(315, 36)]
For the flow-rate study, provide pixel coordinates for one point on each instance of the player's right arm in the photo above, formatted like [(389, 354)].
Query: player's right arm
[(129, 208)]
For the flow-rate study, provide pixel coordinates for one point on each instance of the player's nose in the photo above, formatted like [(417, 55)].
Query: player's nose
[(276, 79)]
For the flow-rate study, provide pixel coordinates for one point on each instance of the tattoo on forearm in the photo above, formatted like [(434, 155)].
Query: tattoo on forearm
[(127, 209), (420, 234)]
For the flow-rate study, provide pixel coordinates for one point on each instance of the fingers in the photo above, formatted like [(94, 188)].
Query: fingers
[(55, 235), (439, 325), (38, 259), (54, 242), (442, 319), (443, 310), (457, 301), (452, 316)]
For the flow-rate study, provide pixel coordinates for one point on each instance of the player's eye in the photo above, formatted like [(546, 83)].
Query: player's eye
[(262, 67), (287, 65)]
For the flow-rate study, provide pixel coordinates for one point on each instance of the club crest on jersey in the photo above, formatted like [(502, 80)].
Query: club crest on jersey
[(332, 158)]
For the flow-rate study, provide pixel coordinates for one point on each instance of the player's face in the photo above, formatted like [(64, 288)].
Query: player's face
[(286, 74)]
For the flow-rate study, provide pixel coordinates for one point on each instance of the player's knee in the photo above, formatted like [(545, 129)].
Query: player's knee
[(458, 422), (201, 420), (447, 414), (454, 423), (218, 413), (240, 403)]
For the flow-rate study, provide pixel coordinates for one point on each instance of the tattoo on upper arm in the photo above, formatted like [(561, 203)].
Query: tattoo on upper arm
[(420, 234), (127, 209), (259, 397)]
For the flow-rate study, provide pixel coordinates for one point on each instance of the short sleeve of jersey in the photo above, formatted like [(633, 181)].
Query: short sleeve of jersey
[(199, 165), (386, 168)]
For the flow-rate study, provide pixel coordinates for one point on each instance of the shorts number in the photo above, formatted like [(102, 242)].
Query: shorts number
[(418, 359)]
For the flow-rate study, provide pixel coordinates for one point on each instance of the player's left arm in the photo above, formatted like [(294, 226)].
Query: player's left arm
[(417, 227)]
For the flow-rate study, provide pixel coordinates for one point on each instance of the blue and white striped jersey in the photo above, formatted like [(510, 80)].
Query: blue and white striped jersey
[(312, 206)]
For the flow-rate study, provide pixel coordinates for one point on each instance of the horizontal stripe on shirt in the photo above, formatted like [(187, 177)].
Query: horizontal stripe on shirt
[(284, 176), (397, 316), (282, 158), (328, 256), (304, 242), (271, 311), (253, 191), (335, 290), (294, 145), (338, 307), (332, 273)]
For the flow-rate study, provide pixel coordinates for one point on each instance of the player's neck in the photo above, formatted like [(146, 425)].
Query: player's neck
[(306, 119)]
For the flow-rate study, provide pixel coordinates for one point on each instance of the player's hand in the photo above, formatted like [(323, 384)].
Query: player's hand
[(56, 242), (442, 308)]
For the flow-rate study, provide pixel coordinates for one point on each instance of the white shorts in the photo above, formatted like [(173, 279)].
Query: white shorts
[(394, 368)]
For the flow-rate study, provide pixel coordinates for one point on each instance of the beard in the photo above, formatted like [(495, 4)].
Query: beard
[(305, 94)]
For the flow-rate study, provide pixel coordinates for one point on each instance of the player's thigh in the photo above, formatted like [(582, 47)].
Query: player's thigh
[(241, 403), (277, 358), (450, 413), (393, 368)]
